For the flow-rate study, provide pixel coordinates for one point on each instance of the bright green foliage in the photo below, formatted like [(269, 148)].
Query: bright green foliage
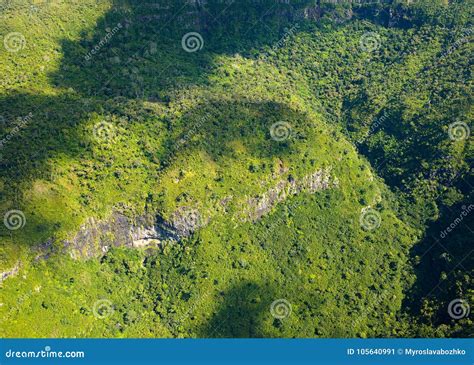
[(194, 130)]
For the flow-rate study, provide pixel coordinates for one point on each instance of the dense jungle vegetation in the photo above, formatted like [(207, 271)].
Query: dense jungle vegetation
[(323, 149)]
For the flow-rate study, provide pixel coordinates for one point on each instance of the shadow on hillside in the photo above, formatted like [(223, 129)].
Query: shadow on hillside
[(218, 128), (137, 50), (444, 262), (139, 56), (243, 310), (136, 53), (47, 128), (57, 132)]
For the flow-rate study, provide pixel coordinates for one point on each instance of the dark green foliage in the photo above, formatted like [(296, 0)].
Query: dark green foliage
[(378, 120)]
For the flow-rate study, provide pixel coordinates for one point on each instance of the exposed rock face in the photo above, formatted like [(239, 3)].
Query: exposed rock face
[(186, 220), (97, 237), (11, 272), (263, 204)]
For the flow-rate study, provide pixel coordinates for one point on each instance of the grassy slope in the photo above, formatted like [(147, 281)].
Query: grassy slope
[(221, 281)]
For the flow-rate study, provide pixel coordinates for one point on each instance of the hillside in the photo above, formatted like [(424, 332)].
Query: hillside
[(219, 169)]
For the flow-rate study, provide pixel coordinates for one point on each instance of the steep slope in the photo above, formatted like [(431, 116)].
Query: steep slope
[(276, 226)]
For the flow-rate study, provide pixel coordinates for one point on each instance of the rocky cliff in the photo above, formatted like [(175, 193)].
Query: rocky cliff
[(96, 237)]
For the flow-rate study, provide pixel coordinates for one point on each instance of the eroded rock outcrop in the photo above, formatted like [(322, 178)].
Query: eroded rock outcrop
[(258, 206), (96, 237), (10, 272)]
